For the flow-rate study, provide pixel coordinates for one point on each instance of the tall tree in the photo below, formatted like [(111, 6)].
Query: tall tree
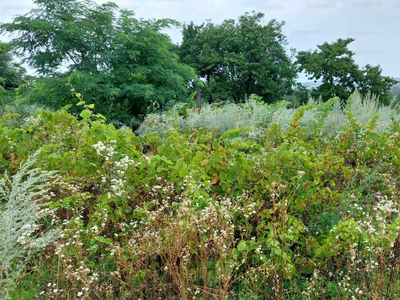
[(121, 64), (238, 58), (334, 65)]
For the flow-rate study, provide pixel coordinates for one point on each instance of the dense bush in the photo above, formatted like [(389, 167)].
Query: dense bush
[(292, 214)]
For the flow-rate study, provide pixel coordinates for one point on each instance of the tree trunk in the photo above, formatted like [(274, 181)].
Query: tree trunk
[(210, 98), (199, 98)]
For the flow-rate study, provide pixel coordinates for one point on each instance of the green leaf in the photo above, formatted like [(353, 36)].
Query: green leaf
[(85, 114), (167, 161), (242, 246), (183, 171), (103, 240), (160, 149)]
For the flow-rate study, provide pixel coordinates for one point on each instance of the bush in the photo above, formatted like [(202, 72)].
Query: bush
[(19, 109), (22, 208)]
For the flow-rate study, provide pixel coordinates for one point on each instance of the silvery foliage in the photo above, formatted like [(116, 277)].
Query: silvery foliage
[(22, 207), (366, 107), (259, 116)]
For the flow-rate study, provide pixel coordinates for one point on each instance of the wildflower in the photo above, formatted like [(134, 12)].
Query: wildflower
[(384, 157), (340, 212)]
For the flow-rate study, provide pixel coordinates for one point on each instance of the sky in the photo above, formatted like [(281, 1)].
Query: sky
[(374, 24)]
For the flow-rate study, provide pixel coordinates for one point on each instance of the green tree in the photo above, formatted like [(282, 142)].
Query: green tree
[(11, 73), (375, 83), (334, 66), (201, 49), (239, 58), (123, 65)]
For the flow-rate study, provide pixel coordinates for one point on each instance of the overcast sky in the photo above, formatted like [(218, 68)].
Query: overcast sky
[(374, 24)]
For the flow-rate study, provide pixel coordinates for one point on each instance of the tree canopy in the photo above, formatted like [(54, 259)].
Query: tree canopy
[(122, 64), (11, 73), (334, 65), (239, 58)]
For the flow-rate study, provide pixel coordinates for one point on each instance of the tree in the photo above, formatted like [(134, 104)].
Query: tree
[(201, 49), (239, 58), (376, 84), (334, 65), (11, 74), (121, 64)]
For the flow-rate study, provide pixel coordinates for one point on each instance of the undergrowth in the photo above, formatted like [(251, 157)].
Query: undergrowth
[(303, 206)]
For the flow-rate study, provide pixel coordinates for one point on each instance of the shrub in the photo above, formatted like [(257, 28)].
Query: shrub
[(22, 209), (259, 116)]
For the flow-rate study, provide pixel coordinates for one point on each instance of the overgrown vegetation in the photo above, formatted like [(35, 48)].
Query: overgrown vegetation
[(292, 213), (129, 68), (243, 196)]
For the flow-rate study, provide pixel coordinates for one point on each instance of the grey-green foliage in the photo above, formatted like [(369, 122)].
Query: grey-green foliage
[(330, 117), (365, 107), (20, 110), (23, 109), (22, 207), (220, 118)]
